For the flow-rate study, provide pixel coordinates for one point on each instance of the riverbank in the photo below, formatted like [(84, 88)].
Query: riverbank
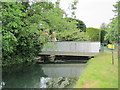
[(100, 73)]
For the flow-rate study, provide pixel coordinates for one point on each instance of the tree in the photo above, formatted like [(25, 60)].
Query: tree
[(79, 24), (27, 27), (23, 37), (113, 34), (119, 30), (103, 28), (94, 34), (73, 35), (73, 8), (12, 15)]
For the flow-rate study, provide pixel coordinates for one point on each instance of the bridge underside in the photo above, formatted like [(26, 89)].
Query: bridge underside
[(68, 53), (50, 56)]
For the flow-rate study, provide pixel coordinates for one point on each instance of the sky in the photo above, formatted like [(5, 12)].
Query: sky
[(92, 12)]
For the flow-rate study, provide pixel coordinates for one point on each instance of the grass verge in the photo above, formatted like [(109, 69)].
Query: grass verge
[(100, 73)]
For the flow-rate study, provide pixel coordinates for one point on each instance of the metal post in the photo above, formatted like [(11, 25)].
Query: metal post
[(112, 54), (112, 57)]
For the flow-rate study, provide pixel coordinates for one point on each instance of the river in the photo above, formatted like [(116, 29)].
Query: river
[(63, 75)]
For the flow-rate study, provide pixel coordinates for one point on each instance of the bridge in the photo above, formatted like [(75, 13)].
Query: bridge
[(71, 48)]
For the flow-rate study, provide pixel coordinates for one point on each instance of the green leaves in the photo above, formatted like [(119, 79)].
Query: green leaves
[(79, 24), (112, 31), (9, 42), (73, 35), (23, 30), (26, 28), (94, 34), (112, 35)]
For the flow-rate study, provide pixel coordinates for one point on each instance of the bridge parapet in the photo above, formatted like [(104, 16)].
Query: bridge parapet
[(72, 46)]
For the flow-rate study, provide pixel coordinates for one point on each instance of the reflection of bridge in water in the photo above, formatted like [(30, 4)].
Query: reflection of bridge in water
[(63, 70), (71, 48)]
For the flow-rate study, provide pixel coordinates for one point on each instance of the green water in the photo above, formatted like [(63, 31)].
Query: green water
[(41, 75)]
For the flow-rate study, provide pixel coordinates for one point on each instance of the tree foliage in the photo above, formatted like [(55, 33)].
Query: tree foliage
[(23, 38), (73, 35), (112, 31), (94, 34), (103, 29), (27, 27), (79, 24)]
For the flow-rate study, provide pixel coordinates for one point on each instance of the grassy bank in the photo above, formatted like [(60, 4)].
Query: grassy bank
[(100, 73)]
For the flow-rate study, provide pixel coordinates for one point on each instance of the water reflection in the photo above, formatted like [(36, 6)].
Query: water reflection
[(2, 84), (44, 81), (62, 70), (60, 82), (41, 75)]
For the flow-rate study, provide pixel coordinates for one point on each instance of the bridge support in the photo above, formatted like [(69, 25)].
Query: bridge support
[(52, 58), (47, 58)]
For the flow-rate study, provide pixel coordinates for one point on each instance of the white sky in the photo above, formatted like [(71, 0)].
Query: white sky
[(92, 12)]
